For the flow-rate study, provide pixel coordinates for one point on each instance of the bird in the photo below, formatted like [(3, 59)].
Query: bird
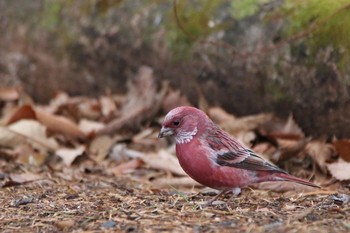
[(214, 158)]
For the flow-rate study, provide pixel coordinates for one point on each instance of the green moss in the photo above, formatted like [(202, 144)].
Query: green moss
[(322, 23), (245, 8), (193, 21)]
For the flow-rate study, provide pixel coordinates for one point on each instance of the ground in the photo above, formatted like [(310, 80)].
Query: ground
[(85, 200)]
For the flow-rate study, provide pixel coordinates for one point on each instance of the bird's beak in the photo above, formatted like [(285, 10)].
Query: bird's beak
[(165, 132)]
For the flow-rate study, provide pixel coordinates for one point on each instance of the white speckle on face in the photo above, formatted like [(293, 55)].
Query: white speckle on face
[(185, 137)]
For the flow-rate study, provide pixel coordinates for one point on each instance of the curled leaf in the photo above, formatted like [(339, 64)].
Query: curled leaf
[(340, 169), (68, 155)]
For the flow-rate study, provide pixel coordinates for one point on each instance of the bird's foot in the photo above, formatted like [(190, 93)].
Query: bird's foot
[(235, 193)]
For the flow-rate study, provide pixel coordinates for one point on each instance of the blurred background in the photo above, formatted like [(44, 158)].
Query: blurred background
[(247, 56)]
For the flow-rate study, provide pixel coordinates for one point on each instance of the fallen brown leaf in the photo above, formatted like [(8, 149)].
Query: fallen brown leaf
[(143, 102), (126, 167), (288, 148), (108, 106), (120, 153), (340, 169), (87, 108), (19, 179), (58, 124), (174, 99), (65, 224), (100, 146), (68, 155), (176, 181), (165, 161), (60, 99), (22, 112), (244, 124), (219, 115), (26, 131), (265, 148), (320, 152), (283, 186), (9, 94), (89, 127), (27, 155), (276, 128), (343, 149)]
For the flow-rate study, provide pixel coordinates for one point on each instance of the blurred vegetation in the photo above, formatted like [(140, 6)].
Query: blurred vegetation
[(271, 50), (316, 23)]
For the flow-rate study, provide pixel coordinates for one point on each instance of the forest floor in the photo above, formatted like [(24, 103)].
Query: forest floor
[(82, 164), (82, 200)]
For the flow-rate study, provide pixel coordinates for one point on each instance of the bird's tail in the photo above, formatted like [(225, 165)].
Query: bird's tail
[(286, 177)]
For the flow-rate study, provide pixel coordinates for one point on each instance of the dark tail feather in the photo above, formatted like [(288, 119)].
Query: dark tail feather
[(286, 177)]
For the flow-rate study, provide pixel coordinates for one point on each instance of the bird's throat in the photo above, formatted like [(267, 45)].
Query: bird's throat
[(185, 136)]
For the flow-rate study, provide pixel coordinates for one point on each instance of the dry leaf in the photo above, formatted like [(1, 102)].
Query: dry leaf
[(291, 127), (58, 124), (320, 152), (121, 153), (174, 99), (343, 149), (288, 148), (59, 100), (9, 94), (87, 108), (283, 186), (68, 155), (235, 126), (126, 167), (147, 137), (108, 106), (19, 179), (264, 148), (143, 102), (23, 112), (246, 137), (163, 160), (65, 224), (27, 131), (27, 155), (88, 126), (176, 181), (100, 146), (277, 128), (9, 138), (219, 115), (25, 177), (340, 169)]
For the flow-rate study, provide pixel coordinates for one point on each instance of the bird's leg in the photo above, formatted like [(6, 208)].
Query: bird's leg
[(216, 197), (235, 193)]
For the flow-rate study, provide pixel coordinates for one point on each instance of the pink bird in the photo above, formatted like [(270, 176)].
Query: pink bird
[(214, 158)]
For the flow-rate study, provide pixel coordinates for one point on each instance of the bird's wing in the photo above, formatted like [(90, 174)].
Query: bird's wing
[(231, 153)]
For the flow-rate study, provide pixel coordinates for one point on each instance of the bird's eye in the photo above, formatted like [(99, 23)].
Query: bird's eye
[(176, 122)]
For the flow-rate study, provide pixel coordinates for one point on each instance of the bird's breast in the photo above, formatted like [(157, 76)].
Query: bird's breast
[(197, 162)]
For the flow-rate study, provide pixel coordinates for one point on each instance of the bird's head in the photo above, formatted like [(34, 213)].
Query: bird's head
[(184, 123)]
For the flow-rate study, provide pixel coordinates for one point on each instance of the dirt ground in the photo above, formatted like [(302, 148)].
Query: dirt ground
[(88, 200)]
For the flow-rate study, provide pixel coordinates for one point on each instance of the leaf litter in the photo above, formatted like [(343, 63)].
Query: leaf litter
[(96, 164)]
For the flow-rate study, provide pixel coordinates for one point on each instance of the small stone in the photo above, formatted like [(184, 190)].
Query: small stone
[(340, 198), (22, 201), (64, 224), (109, 224)]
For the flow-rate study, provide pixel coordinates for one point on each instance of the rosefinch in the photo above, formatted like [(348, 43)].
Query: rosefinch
[(214, 158)]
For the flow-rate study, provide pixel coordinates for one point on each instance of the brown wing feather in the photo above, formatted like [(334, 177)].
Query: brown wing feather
[(233, 154)]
